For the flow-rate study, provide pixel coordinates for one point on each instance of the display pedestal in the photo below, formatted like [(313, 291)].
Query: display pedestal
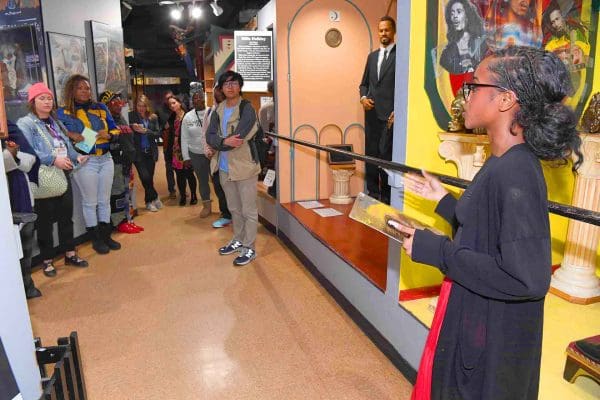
[(576, 279), (468, 151), (341, 183)]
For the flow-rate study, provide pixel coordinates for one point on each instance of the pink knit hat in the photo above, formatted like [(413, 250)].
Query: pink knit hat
[(36, 89)]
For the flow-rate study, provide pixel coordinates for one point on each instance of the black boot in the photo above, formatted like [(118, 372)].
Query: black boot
[(106, 231), (183, 199), (32, 292), (97, 242)]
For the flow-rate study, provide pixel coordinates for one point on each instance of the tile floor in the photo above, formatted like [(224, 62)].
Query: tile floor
[(166, 317)]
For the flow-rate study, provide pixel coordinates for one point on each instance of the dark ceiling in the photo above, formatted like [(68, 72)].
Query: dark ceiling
[(146, 30)]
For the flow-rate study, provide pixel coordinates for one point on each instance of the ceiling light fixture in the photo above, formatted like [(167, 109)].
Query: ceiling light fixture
[(217, 10), (165, 2), (195, 11), (176, 12)]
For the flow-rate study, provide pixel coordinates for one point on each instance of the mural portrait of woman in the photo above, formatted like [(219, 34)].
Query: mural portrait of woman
[(466, 40)]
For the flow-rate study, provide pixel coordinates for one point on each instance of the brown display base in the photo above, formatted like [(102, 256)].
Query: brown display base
[(365, 249), (573, 299)]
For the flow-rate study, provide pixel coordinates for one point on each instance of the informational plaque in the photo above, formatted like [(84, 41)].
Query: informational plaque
[(254, 58)]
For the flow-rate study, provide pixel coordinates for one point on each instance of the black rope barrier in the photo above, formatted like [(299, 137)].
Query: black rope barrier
[(576, 213)]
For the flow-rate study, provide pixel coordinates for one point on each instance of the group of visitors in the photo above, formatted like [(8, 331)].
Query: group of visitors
[(50, 150)]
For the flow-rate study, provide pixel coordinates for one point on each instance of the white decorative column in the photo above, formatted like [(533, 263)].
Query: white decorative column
[(576, 279), (341, 184), (468, 151)]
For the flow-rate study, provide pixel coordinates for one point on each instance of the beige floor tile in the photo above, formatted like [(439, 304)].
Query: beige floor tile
[(166, 317)]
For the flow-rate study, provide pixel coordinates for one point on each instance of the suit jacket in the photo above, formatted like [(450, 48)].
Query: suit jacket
[(381, 90), (153, 135)]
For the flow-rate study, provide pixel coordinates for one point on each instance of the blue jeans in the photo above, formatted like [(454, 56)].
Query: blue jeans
[(94, 179)]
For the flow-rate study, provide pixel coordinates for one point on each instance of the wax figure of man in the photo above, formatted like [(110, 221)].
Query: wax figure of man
[(123, 151), (377, 99)]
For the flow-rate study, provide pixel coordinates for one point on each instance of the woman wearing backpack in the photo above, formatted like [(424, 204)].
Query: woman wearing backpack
[(232, 128)]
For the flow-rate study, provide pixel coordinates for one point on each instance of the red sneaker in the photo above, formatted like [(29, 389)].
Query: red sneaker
[(126, 227), (136, 226)]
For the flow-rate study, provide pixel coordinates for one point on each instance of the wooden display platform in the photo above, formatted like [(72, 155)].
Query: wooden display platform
[(362, 248)]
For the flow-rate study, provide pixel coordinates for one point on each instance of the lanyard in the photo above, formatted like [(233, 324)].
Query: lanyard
[(53, 131), (198, 118)]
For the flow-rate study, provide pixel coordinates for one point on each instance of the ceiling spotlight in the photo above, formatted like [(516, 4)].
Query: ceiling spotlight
[(195, 12), (176, 12), (165, 2), (217, 10)]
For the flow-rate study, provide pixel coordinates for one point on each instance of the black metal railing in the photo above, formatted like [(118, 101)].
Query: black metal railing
[(565, 210), (66, 381)]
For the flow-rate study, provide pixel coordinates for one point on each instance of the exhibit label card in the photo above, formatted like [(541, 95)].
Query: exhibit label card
[(310, 204), (327, 212)]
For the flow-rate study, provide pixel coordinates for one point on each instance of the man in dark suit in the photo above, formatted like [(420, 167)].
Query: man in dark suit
[(377, 99)]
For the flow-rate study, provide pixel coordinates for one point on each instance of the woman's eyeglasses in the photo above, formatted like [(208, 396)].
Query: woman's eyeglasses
[(231, 84), (469, 87)]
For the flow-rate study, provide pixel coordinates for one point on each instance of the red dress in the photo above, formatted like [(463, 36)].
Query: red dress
[(422, 389)]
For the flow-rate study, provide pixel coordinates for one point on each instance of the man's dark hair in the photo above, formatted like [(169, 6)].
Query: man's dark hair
[(390, 20), (230, 76)]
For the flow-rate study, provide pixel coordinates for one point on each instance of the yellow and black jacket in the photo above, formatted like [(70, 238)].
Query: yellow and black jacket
[(94, 116)]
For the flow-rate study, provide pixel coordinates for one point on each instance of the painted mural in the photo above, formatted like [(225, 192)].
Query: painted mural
[(462, 32), (22, 54)]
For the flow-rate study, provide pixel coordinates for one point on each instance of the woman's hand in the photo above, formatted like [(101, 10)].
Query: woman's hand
[(63, 163), (138, 128), (426, 186), (103, 134), (233, 141), (209, 151), (409, 234), (81, 159), (12, 148), (76, 137)]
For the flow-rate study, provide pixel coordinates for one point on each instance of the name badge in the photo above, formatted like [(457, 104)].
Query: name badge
[(60, 148)]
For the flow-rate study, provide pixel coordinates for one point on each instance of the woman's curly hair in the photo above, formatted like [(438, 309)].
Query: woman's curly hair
[(540, 82)]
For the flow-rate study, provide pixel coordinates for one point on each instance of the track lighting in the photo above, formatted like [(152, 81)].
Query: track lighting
[(176, 12), (195, 12), (217, 10)]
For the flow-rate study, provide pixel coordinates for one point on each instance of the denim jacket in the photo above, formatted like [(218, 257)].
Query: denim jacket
[(32, 127)]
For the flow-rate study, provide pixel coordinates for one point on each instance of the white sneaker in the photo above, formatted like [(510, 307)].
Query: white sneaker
[(151, 207), (157, 203)]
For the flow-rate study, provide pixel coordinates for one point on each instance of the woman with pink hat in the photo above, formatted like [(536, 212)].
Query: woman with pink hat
[(53, 197)]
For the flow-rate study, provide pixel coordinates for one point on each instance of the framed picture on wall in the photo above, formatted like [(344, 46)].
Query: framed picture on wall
[(464, 32), (109, 58), (3, 121), (67, 57), (22, 65)]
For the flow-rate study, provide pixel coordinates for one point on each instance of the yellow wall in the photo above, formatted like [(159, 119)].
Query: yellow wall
[(422, 144)]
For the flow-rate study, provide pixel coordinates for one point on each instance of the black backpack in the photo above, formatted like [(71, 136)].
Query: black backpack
[(259, 144)]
